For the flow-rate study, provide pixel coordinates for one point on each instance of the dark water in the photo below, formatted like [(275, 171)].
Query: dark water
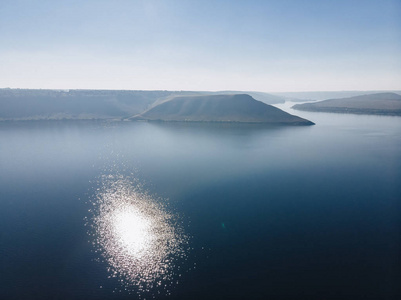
[(230, 212)]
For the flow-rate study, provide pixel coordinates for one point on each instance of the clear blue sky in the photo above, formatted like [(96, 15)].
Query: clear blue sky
[(201, 45)]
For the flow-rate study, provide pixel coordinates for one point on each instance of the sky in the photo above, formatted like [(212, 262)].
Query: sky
[(249, 45)]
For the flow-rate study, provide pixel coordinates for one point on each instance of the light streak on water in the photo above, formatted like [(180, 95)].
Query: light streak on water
[(143, 245)]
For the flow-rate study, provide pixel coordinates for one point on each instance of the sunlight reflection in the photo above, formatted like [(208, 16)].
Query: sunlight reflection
[(132, 230), (143, 245)]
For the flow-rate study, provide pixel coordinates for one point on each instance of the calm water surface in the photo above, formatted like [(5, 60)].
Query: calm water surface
[(92, 210)]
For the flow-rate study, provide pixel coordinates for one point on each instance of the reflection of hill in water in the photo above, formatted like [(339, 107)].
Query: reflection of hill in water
[(221, 131)]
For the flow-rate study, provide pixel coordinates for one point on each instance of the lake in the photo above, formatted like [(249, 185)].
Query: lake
[(127, 210)]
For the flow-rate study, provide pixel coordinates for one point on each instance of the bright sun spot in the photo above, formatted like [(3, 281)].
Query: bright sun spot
[(133, 231)]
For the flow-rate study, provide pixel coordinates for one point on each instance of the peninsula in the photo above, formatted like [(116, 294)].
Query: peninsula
[(239, 108)]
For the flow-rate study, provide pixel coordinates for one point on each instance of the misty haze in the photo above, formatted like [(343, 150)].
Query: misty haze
[(200, 149)]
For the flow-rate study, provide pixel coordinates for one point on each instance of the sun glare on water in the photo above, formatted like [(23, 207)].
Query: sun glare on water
[(132, 231), (142, 244)]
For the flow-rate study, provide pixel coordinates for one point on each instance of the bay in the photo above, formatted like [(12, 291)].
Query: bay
[(255, 211)]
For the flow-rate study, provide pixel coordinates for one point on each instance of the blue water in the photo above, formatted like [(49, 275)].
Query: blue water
[(257, 212)]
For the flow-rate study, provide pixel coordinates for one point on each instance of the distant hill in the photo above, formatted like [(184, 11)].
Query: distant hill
[(219, 108), (376, 104), (324, 95)]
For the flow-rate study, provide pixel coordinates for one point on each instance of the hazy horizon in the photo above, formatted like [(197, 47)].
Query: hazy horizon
[(265, 46), (211, 91)]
